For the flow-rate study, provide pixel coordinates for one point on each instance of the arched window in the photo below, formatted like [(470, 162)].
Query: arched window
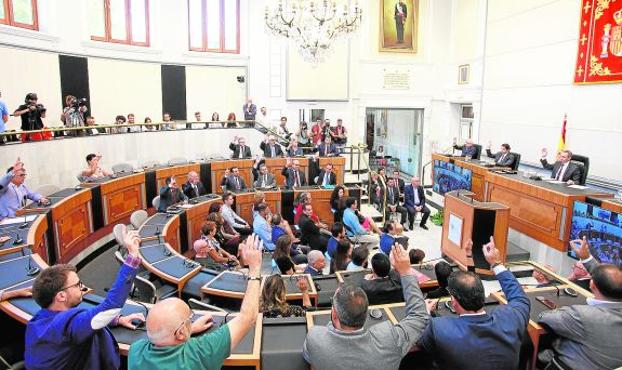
[(214, 26), (119, 21), (19, 13)]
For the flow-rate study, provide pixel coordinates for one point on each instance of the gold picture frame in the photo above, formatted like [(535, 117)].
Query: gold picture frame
[(464, 72), (392, 38)]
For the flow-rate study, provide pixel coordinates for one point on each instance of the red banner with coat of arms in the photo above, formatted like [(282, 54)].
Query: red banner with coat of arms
[(599, 59)]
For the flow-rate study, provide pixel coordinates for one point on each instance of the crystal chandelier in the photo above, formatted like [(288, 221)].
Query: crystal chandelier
[(312, 25)]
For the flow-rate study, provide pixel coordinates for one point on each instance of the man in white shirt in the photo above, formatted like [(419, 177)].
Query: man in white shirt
[(232, 218)]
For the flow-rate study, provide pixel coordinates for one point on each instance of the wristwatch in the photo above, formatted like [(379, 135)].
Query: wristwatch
[(258, 278), (495, 265)]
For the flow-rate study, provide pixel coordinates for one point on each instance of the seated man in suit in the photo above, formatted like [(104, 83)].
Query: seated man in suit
[(316, 263), (239, 148), (265, 179), (232, 218), (383, 284), (590, 335), (398, 181), (393, 202), (327, 148), (311, 234), (414, 200), (170, 194), (294, 177), (502, 158), (14, 193), (193, 188), (468, 149), (563, 169), (327, 176), (486, 340), (270, 147), (234, 181)]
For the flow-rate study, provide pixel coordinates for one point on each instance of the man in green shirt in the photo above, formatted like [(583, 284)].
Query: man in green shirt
[(169, 328)]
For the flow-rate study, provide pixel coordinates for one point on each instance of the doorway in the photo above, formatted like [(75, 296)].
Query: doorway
[(399, 132)]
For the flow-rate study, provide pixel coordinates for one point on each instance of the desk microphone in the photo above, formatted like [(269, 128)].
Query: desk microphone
[(166, 251), (18, 239), (30, 269), (25, 224), (189, 264), (157, 232)]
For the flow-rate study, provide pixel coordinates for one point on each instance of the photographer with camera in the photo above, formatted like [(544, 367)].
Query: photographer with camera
[(31, 114), (73, 114)]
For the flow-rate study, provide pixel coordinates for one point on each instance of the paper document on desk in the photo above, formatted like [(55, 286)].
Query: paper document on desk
[(17, 220), (553, 181), (580, 187), (186, 206)]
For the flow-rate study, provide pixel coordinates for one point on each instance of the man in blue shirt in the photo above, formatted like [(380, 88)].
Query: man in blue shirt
[(354, 229), (14, 193), (63, 335), (261, 227), (338, 233), (476, 339)]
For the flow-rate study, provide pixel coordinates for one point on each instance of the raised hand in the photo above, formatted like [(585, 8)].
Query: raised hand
[(202, 324), (544, 152), (400, 260), (18, 166), (468, 248), (491, 253), (581, 248), (251, 253), (126, 321), (131, 240)]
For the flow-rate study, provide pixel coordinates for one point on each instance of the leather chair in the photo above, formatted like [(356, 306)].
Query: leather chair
[(199, 305), (479, 151), (138, 218), (516, 161), (156, 202), (584, 163), (152, 291)]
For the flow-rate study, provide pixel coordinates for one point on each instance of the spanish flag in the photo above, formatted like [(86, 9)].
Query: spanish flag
[(561, 145)]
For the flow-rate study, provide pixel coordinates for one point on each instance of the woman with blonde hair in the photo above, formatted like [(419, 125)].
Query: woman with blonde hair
[(273, 301)]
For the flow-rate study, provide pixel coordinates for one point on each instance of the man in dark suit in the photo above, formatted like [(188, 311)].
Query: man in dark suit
[(310, 231), (170, 194), (193, 188), (401, 13), (265, 179), (563, 169), (590, 335), (327, 176), (239, 148), (468, 149), (383, 285), (235, 182), (414, 201), (250, 110), (294, 177), (502, 158), (398, 181), (327, 148), (270, 148), (393, 202), (316, 264), (493, 338)]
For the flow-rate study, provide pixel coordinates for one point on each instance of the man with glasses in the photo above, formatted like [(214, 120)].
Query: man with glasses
[(294, 177), (170, 327), (14, 193), (63, 335)]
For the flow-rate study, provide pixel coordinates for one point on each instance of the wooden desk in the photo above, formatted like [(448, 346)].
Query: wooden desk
[(195, 217), (293, 293), (218, 171), (612, 204), (180, 172), (244, 204), (275, 166), (227, 284), (538, 209), (122, 196), (356, 277), (34, 235)]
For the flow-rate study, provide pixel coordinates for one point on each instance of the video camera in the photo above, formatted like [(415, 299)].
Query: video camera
[(77, 103)]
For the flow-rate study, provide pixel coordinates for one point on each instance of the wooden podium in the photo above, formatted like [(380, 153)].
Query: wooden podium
[(466, 218)]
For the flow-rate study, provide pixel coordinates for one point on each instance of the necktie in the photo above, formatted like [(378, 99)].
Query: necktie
[(296, 179), (391, 195), (265, 180), (241, 151), (501, 159), (196, 190), (237, 181), (559, 176)]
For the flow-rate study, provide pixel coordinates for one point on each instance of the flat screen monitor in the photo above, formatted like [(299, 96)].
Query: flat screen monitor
[(448, 177), (603, 229)]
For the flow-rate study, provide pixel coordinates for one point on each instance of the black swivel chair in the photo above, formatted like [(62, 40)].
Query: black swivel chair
[(584, 163), (516, 161), (479, 151)]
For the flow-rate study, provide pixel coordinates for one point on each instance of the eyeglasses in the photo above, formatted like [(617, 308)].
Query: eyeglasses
[(79, 284), (183, 323)]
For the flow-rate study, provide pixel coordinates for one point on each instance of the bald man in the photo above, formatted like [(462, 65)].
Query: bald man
[(193, 187), (414, 201), (170, 327), (468, 149)]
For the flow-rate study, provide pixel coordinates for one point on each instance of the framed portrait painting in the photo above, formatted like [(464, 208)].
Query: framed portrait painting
[(399, 26)]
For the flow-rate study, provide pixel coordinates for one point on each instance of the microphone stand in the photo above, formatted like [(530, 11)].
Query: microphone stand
[(30, 269), (25, 224)]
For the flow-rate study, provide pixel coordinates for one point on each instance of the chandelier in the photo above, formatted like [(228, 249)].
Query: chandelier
[(312, 25)]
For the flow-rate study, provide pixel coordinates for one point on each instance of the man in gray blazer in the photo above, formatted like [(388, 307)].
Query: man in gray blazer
[(502, 158), (589, 336), (563, 169), (265, 179), (294, 177), (345, 343)]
